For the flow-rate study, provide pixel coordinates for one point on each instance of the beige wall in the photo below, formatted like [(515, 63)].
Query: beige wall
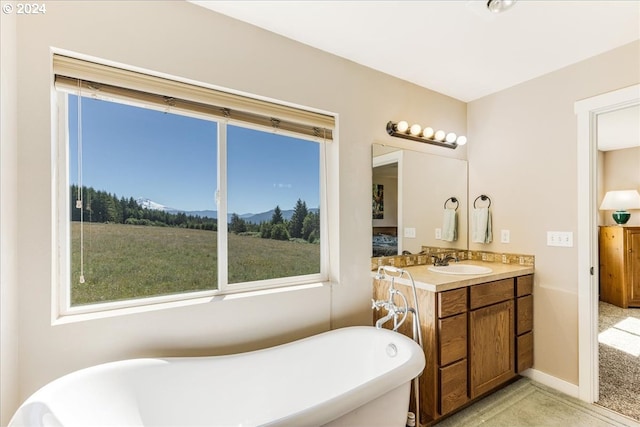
[(620, 171), (181, 39), (522, 153), (8, 218)]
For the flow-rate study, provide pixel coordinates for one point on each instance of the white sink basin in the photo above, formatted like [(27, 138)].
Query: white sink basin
[(460, 269)]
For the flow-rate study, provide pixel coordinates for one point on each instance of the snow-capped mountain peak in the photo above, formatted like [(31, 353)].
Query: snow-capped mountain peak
[(150, 204)]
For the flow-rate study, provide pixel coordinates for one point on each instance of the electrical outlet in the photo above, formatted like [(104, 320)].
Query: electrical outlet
[(560, 238), (410, 232), (505, 236), (438, 233)]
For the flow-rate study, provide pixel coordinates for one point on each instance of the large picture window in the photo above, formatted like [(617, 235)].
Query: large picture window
[(170, 201)]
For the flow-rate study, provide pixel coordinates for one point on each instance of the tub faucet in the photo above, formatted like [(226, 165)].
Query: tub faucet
[(396, 312), (381, 321)]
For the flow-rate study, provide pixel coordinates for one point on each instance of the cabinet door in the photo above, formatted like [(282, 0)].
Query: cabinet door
[(491, 347), (633, 266)]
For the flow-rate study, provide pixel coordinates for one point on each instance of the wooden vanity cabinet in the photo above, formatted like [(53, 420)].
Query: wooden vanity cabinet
[(620, 265), (476, 339)]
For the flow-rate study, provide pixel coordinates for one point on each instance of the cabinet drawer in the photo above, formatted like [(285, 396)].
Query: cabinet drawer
[(524, 285), (524, 314), (453, 387), (491, 293), (452, 302), (524, 349), (453, 339)]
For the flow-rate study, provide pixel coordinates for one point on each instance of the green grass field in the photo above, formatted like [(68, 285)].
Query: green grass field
[(129, 261)]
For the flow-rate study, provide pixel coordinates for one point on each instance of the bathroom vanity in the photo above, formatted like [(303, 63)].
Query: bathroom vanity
[(477, 332)]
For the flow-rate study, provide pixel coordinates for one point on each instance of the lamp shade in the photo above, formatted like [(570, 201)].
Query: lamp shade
[(620, 200)]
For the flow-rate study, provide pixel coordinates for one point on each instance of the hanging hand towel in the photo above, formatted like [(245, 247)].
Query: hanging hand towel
[(450, 225), (482, 226)]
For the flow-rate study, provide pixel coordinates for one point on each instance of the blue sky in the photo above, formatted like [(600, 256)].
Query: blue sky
[(171, 159)]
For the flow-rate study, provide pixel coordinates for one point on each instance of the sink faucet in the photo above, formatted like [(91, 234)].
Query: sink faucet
[(443, 262)]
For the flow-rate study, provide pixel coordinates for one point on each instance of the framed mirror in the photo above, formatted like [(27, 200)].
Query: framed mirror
[(410, 191)]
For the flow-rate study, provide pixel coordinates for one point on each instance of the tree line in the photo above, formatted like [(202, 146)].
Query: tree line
[(304, 224), (102, 206)]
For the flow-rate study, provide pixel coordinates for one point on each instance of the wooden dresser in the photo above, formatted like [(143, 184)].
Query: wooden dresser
[(620, 265)]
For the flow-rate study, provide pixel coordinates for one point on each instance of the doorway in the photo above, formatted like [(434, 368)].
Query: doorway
[(587, 112), (386, 204)]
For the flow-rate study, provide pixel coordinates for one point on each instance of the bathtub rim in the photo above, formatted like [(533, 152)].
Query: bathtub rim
[(319, 414)]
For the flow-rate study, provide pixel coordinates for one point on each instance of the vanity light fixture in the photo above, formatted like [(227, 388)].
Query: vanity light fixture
[(620, 201), (428, 135)]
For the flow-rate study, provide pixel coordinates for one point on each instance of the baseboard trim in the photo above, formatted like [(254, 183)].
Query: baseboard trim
[(553, 382)]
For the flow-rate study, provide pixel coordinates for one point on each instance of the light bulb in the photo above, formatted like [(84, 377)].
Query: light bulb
[(451, 137), (440, 135), (427, 132), (402, 126), (461, 140), (415, 130)]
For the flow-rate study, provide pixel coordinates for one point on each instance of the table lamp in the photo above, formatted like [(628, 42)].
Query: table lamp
[(619, 201)]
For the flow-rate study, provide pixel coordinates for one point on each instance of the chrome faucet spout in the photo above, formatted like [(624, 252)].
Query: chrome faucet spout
[(384, 320), (443, 261)]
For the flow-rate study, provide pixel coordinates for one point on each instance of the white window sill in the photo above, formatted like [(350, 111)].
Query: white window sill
[(102, 311)]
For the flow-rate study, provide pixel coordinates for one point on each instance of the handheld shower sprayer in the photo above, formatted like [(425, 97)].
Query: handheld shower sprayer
[(387, 272)]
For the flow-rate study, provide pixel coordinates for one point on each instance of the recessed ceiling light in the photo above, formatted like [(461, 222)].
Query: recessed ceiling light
[(498, 6)]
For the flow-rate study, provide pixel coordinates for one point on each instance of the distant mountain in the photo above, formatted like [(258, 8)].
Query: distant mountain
[(248, 217), (266, 216), (150, 204), (203, 214)]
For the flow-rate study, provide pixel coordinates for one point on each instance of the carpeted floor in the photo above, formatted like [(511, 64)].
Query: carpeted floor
[(526, 403), (619, 355)]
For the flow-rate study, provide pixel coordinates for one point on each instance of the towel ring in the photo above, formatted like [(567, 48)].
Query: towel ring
[(453, 200), (483, 198)]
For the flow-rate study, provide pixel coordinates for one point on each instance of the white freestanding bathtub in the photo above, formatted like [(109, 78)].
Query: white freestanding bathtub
[(355, 376)]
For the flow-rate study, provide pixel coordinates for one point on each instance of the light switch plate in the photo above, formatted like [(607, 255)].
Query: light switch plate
[(560, 238), (505, 236), (410, 232)]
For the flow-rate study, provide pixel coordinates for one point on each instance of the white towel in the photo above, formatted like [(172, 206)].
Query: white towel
[(481, 226), (450, 225)]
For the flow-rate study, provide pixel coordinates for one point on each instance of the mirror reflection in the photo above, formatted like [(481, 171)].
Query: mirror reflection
[(412, 202)]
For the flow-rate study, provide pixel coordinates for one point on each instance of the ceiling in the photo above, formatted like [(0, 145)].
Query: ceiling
[(619, 129), (457, 48)]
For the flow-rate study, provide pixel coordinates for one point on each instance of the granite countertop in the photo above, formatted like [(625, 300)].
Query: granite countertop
[(438, 282)]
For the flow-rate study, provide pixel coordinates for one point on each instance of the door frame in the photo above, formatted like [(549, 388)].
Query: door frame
[(587, 111)]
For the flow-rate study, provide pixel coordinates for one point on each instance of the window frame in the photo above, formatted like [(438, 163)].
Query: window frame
[(63, 312)]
